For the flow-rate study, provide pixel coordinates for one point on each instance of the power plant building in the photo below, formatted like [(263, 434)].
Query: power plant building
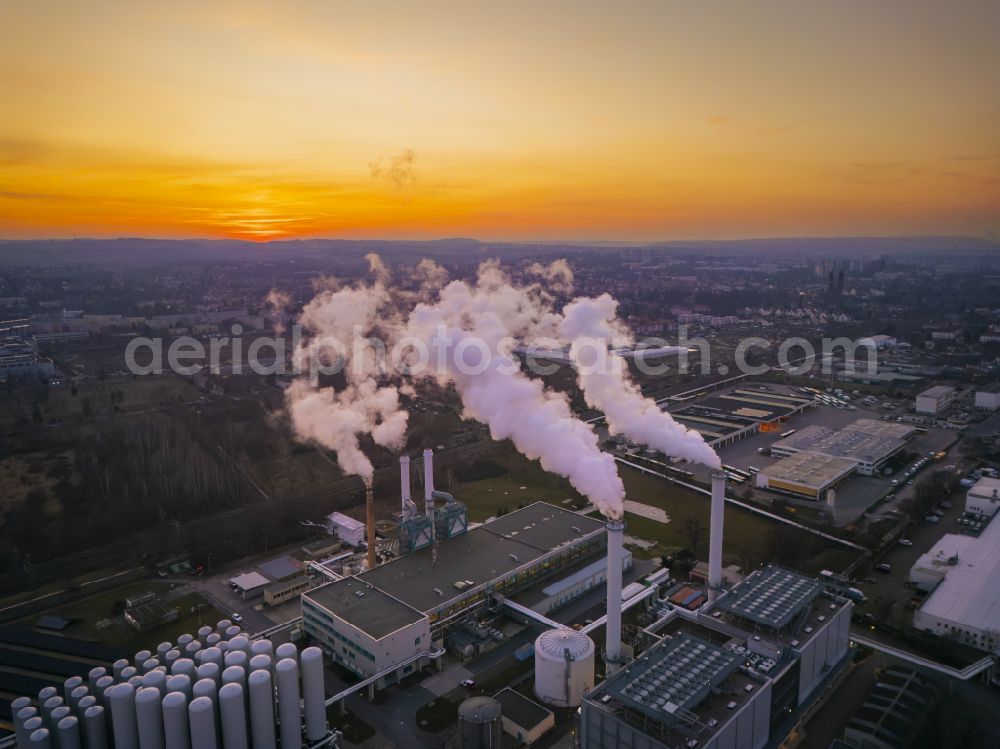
[(394, 610), (732, 675)]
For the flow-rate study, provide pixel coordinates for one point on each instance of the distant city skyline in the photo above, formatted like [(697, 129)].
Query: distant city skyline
[(649, 121)]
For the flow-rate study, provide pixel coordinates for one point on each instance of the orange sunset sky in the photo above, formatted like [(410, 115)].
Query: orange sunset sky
[(515, 120)]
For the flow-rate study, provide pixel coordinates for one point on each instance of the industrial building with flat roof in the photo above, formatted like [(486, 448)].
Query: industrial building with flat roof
[(805, 474), (935, 399), (862, 443), (724, 418), (965, 605), (731, 675), (391, 611), (983, 497)]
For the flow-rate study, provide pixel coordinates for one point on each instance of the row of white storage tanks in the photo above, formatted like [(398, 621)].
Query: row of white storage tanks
[(216, 690)]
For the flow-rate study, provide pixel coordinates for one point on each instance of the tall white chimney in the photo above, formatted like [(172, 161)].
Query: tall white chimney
[(429, 482), (613, 630), (716, 523), (404, 481)]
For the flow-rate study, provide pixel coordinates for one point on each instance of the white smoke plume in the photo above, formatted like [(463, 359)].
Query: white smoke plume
[(279, 302), (557, 274), (465, 331), (335, 319), (591, 325)]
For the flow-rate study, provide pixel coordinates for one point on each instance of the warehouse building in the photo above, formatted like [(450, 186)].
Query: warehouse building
[(865, 442), (935, 399), (725, 418), (730, 676), (805, 474), (965, 605), (988, 398), (398, 607), (983, 498)]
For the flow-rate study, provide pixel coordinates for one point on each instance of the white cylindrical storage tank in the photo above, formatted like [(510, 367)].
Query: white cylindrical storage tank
[(233, 715), (149, 717), (234, 675), (262, 647), (123, 723), (33, 724), (201, 719), (84, 705), (191, 648), (22, 711), (183, 666), (94, 674), (75, 696), (212, 655), (57, 715), (259, 662), (136, 682), (172, 655), (564, 667), (95, 730), (231, 632), (261, 709), (203, 633), (240, 642), (101, 690), (236, 658), (183, 640), (180, 683), (48, 706), (68, 733), (176, 734), (479, 724), (286, 650), (313, 693), (155, 680), (213, 639), (128, 672), (68, 686), (205, 688), (150, 665), (222, 625), (141, 657), (287, 671), (162, 649), (47, 693), (210, 671), (40, 739)]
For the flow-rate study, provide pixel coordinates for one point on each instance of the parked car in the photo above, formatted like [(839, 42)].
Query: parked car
[(468, 683), (932, 519), (237, 619), (905, 542), (884, 567)]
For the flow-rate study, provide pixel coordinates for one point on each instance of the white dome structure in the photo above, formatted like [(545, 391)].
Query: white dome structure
[(564, 667)]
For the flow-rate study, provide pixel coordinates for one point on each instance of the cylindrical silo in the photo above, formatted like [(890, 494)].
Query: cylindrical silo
[(22, 711), (40, 739), (233, 716), (183, 640), (191, 648), (262, 647), (118, 666), (212, 655), (93, 675), (259, 662), (240, 642), (201, 718), (287, 672), (155, 680), (57, 715), (33, 724), (261, 709), (84, 705), (70, 684), (47, 693), (95, 730), (222, 625), (123, 723), (68, 733), (75, 696), (203, 633), (162, 649), (171, 656), (286, 650), (313, 693), (564, 667), (136, 682), (176, 734), (180, 683), (151, 664), (141, 657), (149, 717), (479, 723), (100, 691), (210, 671), (183, 666), (128, 672), (206, 688), (236, 658), (213, 639), (48, 706), (231, 632), (235, 675)]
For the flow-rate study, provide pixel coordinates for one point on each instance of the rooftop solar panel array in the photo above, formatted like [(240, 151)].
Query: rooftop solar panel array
[(772, 597), (676, 675)]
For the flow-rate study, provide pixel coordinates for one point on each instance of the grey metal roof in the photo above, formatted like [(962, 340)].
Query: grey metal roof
[(373, 612), (772, 597)]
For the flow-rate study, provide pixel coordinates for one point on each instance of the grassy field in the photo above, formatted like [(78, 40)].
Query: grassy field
[(749, 539), (139, 394), (101, 617)]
